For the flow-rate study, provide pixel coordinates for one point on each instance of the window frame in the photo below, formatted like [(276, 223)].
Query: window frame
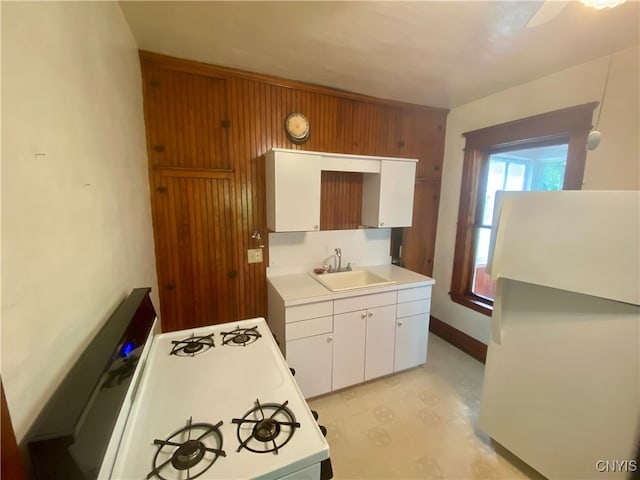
[(569, 125)]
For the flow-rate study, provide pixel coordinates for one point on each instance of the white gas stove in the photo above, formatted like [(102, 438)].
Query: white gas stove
[(218, 402)]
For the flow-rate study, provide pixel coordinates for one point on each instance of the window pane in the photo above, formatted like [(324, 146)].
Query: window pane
[(552, 176), (495, 182), (515, 177), (482, 283), (539, 168)]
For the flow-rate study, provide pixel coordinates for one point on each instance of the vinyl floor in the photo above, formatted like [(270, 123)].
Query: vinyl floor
[(421, 423)]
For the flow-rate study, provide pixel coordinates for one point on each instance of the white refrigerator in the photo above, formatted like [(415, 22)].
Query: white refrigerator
[(562, 377)]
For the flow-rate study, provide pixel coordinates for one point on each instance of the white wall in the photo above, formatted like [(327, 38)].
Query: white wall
[(297, 252), (76, 219), (614, 165)]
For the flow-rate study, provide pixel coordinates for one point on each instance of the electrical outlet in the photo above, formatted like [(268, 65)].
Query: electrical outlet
[(254, 255)]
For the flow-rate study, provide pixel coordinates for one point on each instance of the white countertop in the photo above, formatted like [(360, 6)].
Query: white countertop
[(300, 288)]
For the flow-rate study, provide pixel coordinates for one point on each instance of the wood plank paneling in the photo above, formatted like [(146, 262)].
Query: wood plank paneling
[(195, 246), (419, 240), (341, 200), (189, 126), (207, 182)]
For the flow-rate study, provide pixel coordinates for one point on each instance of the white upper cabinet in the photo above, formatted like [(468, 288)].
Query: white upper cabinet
[(293, 191), (387, 198), (293, 188)]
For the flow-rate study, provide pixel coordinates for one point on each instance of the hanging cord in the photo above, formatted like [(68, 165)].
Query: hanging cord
[(604, 90)]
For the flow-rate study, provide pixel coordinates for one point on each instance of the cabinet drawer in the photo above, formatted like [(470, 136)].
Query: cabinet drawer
[(309, 328), (413, 308), (363, 302), (411, 294), (307, 311)]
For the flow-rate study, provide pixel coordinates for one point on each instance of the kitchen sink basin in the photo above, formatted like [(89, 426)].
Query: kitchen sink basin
[(337, 282)]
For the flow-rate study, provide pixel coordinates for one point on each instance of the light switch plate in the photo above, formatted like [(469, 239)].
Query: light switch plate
[(254, 255)]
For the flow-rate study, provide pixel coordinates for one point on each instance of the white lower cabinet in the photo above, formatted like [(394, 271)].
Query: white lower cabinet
[(348, 348), (380, 345), (412, 327), (411, 341), (311, 358), (333, 344), (364, 345)]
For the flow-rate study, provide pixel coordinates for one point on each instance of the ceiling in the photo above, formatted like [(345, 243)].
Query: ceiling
[(440, 54)]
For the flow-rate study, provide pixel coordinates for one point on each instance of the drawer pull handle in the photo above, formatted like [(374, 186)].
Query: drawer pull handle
[(363, 315), (370, 314), (399, 323), (329, 339)]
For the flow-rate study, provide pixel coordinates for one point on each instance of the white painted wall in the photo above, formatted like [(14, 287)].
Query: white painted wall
[(76, 217), (614, 165), (297, 252)]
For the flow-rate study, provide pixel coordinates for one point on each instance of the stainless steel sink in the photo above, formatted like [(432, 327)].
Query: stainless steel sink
[(337, 282)]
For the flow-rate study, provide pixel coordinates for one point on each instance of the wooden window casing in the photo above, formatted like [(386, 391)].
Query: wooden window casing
[(569, 125)]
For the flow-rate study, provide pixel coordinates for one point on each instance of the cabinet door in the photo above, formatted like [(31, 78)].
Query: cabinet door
[(397, 182), (348, 348), (293, 192), (198, 283), (311, 359), (380, 341), (411, 341)]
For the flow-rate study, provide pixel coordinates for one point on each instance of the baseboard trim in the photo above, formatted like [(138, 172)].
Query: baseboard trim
[(458, 339)]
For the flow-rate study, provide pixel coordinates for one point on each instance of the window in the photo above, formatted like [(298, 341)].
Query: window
[(544, 152), (534, 168)]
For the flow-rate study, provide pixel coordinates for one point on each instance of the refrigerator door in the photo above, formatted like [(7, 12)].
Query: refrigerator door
[(562, 390), (562, 376), (580, 241)]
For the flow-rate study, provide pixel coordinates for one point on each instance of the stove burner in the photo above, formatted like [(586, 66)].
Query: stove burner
[(177, 454), (192, 345), (241, 336), (266, 430), (188, 454), (266, 427)]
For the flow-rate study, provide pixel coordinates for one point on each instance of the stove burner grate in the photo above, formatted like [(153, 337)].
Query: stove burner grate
[(192, 345), (195, 455), (266, 427), (241, 336)]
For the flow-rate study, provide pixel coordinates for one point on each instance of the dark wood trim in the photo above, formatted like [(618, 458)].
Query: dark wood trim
[(545, 126), (569, 125), (191, 66), (458, 339), (475, 163), (12, 467), (427, 181), (182, 172), (576, 160), (474, 302)]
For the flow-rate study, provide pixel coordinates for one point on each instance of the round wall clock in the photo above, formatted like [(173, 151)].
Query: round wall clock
[(297, 128)]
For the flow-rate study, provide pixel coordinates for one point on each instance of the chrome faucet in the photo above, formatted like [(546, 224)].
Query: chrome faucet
[(338, 267)]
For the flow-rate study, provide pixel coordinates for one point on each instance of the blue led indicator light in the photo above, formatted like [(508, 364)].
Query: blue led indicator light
[(128, 348)]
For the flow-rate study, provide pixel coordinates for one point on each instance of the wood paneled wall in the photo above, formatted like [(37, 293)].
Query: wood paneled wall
[(207, 130)]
